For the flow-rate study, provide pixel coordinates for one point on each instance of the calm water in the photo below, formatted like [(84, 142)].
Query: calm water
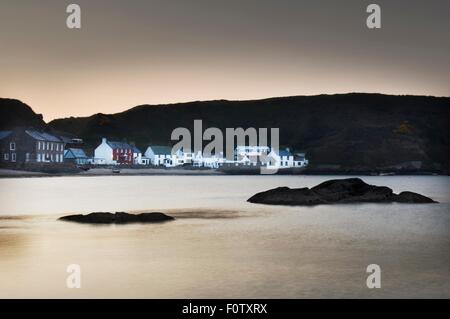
[(220, 246)]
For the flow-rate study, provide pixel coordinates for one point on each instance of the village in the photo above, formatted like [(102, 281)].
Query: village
[(22, 146)]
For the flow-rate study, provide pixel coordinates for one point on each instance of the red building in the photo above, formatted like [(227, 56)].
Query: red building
[(123, 154), (111, 152)]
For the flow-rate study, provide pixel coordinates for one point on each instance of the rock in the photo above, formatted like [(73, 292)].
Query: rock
[(339, 191), (117, 218), (410, 197)]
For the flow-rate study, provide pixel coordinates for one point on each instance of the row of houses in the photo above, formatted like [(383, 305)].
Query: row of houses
[(116, 153), (23, 146)]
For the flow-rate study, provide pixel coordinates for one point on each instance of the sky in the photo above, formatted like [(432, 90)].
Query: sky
[(135, 52)]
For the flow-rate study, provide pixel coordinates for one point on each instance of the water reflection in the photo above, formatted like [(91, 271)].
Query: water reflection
[(219, 245)]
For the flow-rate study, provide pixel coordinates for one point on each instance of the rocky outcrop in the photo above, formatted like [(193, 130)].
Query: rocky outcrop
[(117, 218), (410, 197), (340, 191)]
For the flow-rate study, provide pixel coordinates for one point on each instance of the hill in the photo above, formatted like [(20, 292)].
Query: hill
[(354, 131), (14, 113)]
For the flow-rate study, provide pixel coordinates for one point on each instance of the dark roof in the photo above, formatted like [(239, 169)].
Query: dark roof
[(4, 134), (42, 136), (76, 152), (161, 150), (119, 145), (66, 139), (284, 153), (135, 149)]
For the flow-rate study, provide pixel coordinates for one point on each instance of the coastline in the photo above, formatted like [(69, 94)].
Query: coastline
[(14, 173), (10, 173)]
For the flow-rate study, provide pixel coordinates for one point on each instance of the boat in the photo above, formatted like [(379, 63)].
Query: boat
[(387, 174)]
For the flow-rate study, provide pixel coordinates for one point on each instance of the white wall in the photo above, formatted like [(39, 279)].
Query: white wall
[(104, 154), (159, 159), (137, 158)]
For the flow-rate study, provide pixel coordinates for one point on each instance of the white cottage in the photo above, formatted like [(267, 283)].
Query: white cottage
[(300, 160), (285, 159), (113, 153), (161, 155), (213, 161), (137, 156), (251, 152)]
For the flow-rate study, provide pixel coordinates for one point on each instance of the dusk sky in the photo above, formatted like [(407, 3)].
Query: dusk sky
[(129, 53)]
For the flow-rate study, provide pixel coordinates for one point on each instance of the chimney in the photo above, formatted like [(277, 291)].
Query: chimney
[(104, 140)]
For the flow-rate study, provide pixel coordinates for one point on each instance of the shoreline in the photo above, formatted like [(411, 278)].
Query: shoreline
[(12, 173)]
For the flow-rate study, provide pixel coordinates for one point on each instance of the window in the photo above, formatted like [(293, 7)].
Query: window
[(12, 146), (6, 156), (27, 157), (13, 157), (38, 158)]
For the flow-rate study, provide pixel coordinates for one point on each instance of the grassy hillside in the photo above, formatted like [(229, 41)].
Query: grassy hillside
[(350, 130)]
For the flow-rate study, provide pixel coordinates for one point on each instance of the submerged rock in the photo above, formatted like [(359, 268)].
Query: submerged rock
[(117, 218), (339, 191)]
